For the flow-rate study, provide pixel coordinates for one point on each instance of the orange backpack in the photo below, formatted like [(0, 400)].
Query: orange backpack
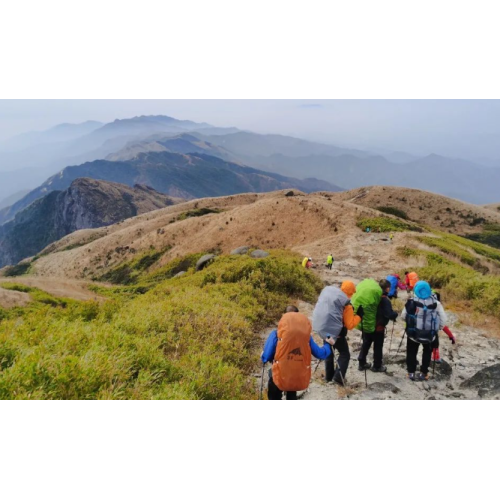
[(413, 278), (292, 361)]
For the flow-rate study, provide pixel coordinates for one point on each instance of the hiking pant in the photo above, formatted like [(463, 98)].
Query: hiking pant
[(274, 393), (411, 356), (343, 358), (329, 266), (377, 339)]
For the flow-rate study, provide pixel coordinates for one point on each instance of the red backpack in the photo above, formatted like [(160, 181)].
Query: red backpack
[(292, 361)]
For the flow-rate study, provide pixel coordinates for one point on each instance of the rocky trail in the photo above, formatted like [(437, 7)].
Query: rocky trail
[(470, 369)]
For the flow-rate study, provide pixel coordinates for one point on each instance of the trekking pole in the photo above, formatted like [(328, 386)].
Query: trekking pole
[(400, 344), (262, 380), (362, 336)]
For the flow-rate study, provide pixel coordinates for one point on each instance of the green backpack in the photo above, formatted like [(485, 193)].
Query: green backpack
[(368, 294)]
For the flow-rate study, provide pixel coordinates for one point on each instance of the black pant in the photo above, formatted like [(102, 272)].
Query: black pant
[(329, 266), (411, 356), (377, 339), (344, 356), (274, 393)]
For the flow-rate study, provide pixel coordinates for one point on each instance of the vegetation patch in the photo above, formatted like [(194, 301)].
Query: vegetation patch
[(198, 212), (451, 248), (188, 338), (386, 225), (489, 236), (394, 211), (18, 269)]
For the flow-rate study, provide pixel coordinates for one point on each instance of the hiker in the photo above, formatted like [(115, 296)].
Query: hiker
[(289, 348), (368, 229), (304, 261), (368, 294), (333, 316), (435, 345), (307, 262), (385, 313), (396, 284), (424, 316), (391, 237), (411, 280), (329, 261)]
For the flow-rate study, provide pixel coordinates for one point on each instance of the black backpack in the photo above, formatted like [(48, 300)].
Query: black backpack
[(422, 320)]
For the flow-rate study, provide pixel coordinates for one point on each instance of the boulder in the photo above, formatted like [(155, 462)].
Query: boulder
[(290, 193), (203, 261), (487, 379), (179, 274), (384, 387), (259, 254), (240, 251)]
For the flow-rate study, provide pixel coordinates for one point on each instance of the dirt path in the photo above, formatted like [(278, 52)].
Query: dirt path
[(474, 351), (73, 289)]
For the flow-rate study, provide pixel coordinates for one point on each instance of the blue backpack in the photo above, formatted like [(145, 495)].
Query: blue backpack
[(394, 284)]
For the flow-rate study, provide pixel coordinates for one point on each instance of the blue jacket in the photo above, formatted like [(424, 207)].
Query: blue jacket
[(272, 342)]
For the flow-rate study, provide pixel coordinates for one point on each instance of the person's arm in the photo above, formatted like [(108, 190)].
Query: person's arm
[(350, 319), (320, 352), (270, 347), (401, 285), (387, 310), (450, 334), (443, 319)]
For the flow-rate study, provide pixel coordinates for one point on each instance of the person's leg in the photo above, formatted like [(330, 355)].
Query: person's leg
[(343, 359), (365, 347), (273, 391), (378, 348), (329, 368), (411, 355), (291, 395), (426, 358)]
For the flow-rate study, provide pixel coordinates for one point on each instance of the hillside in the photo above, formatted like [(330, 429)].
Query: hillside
[(87, 203), (186, 176), (164, 330)]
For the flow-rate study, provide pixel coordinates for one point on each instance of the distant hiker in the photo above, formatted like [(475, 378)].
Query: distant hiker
[(304, 261), (396, 284), (333, 316), (289, 348), (368, 294), (307, 262), (411, 280), (385, 313), (368, 229), (424, 316), (329, 261), (435, 345), (391, 237)]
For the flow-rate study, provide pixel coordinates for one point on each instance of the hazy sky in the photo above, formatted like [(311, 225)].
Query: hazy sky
[(468, 128)]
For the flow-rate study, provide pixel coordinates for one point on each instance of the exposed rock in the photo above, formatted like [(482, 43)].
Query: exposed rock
[(290, 193), (442, 370), (259, 254), (383, 387), (487, 378), (240, 251), (203, 261), (180, 274)]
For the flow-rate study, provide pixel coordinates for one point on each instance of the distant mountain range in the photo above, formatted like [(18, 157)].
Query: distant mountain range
[(28, 160), (86, 203), (182, 175)]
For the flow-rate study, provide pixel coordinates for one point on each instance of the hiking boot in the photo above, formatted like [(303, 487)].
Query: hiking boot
[(364, 366), (411, 376), (423, 377), (380, 369)]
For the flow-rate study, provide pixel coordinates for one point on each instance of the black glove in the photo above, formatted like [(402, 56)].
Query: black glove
[(361, 312), (453, 340)]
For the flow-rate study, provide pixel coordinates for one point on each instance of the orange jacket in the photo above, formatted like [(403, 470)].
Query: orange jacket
[(350, 319)]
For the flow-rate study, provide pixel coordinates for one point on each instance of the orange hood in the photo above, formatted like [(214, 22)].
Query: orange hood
[(349, 288)]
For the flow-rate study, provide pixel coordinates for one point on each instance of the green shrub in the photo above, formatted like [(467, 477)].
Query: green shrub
[(18, 269), (386, 225), (449, 247), (189, 338), (394, 211)]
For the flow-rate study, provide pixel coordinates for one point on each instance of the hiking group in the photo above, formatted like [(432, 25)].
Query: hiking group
[(366, 307)]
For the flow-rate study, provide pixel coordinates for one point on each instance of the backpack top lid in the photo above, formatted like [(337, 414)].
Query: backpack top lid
[(294, 323), (422, 290)]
